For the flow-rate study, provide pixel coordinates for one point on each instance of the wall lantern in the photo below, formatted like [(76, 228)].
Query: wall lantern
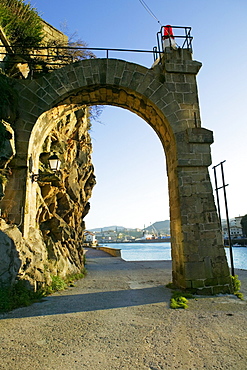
[(54, 163)]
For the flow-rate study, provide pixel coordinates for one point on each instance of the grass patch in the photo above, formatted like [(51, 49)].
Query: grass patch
[(19, 295), (59, 283)]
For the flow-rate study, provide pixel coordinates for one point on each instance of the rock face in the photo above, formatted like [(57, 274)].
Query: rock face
[(55, 245), (47, 236)]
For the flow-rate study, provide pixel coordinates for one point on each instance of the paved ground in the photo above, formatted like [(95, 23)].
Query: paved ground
[(118, 317)]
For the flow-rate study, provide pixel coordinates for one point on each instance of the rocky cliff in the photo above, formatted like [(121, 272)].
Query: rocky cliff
[(55, 245), (46, 236)]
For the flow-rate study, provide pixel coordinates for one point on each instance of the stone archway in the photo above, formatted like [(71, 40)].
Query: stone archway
[(166, 98)]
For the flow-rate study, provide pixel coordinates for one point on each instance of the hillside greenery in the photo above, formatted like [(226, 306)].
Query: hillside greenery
[(21, 23)]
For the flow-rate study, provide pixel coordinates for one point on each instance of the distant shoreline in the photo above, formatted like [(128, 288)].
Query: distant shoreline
[(167, 240)]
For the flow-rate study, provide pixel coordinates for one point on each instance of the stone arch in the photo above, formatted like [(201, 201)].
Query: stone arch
[(166, 98)]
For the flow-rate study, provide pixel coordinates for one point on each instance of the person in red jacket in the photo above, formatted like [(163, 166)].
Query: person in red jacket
[(168, 38)]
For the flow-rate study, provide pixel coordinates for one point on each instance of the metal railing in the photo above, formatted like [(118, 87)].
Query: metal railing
[(47, 58), (217, 188), (57, 56)]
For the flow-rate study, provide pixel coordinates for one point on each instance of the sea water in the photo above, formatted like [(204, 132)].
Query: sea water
[(162, 251)]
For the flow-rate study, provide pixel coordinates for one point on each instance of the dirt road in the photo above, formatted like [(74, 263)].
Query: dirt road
[(118, 317)]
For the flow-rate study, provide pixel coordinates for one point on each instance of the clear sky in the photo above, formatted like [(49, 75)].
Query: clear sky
[(131, 175)]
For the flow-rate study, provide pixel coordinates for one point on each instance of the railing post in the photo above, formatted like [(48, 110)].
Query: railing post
[(226, 208)]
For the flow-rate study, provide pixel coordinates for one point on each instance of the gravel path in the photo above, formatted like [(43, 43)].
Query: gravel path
[(118, 317)]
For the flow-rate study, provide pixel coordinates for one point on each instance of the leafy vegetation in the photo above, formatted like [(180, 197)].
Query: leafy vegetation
[(236, 284), (179, 299), (178, 302), (21, 23), (19, 295)]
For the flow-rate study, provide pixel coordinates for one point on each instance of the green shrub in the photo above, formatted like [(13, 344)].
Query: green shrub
[(21, 23), (179, 302), (236, 284), (57, 283), (179, 299), (239, 295)]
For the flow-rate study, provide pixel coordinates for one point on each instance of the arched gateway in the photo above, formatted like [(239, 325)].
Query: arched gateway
[(165, 96)]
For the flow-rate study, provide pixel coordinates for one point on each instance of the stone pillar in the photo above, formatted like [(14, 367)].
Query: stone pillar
[(198, 254)]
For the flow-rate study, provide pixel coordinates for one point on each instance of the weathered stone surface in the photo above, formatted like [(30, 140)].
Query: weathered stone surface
[(10, 261), (24, 259), (53, 243)]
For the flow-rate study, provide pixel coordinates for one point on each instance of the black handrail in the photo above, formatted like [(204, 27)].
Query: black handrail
[(57, 55), (63, 55)]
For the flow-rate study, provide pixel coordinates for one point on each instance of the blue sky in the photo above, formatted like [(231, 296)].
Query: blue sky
[(131, 175)]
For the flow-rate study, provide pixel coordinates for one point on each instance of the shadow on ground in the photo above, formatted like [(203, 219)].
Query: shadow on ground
[(57, 305)]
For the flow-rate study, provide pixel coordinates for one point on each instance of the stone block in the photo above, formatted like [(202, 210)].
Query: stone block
[(171, 108), (179, 97), (80, 77), (157, 94), (126, 78), (195, 270), (119, 69), (221, 289), (177, 77), (195, 284), (188, 284), (224, 280), (211, 282), (205, 291), (137, 78), (183, 87), (200, 135)]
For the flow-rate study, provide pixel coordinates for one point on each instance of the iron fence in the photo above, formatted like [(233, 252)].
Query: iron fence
[(45, 58)]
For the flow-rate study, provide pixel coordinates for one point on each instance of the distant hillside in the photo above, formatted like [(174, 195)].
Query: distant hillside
[(107, 228), (159, 226)]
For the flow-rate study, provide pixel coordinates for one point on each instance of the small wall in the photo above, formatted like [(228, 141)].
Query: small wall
[(52, 34), (112, 251)]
